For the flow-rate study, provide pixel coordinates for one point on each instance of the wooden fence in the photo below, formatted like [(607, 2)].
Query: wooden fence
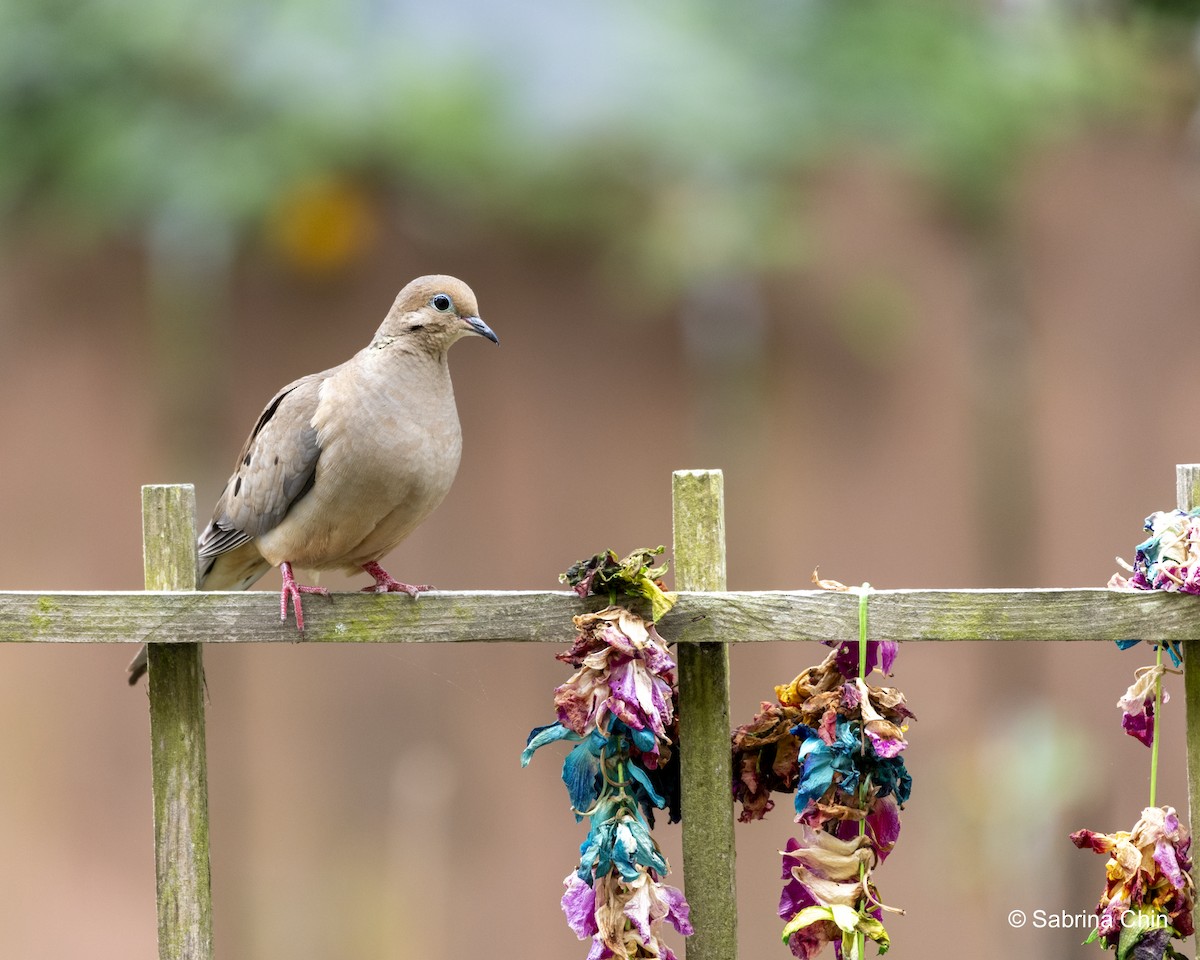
[(176, 620)]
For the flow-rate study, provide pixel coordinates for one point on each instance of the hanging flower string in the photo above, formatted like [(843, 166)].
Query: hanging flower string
[(1148, 895), (835, 741), (619, 709), (1169, 559)]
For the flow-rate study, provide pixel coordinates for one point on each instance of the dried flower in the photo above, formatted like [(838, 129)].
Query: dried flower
[(765, 755), (622, 918), (1170, 558), (635, 575), (1148, 881), (829, 896), (1137, 705), (619, 710)]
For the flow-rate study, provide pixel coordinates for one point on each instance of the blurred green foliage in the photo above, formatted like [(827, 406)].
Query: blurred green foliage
[(116, 112), (1187, 10), (681, 126)]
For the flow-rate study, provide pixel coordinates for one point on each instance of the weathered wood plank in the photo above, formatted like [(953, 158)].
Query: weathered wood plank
[(708, 849), (175, 679), (940, 615), (1087, 613)]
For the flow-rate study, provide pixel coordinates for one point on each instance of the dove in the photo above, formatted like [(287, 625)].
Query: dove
[(342, 465)]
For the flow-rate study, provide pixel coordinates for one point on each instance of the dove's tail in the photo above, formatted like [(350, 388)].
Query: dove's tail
[(137, 666), (238, 569)]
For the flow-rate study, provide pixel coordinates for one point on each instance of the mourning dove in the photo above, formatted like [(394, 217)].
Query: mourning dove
[(343, 465)]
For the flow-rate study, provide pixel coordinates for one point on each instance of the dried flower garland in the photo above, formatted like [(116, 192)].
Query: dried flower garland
[(619, 709), (1148, 896), (835, 741)]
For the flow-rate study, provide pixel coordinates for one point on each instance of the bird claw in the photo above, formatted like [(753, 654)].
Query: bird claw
[(292, 591), (386, 583)]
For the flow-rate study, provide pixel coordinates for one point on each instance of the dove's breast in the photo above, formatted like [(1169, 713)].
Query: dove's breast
[(390, 447)]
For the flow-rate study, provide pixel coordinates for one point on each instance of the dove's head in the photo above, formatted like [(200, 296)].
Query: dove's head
[(430, 314)]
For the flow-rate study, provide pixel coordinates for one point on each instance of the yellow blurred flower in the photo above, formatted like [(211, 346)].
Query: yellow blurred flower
[(322, 225)]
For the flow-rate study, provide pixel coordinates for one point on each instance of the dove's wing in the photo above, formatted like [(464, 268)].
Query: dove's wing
[(275, 469)]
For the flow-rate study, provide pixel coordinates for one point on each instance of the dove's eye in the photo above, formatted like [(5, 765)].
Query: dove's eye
[(442, 302)]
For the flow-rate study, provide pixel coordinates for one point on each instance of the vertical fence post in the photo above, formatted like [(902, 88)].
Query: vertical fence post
[(704, 731), (176, 687), (1187, 497)]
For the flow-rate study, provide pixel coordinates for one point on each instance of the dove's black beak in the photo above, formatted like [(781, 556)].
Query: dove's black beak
[(481, 328)]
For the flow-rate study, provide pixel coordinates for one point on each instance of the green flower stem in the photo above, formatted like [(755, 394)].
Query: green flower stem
[(1158, 690), (862, 658), (862, 629)]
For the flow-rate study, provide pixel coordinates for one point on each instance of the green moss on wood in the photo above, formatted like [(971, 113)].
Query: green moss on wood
[(41, 618)]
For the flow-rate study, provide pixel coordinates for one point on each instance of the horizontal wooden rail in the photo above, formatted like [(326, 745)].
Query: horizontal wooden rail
[(545, 616)]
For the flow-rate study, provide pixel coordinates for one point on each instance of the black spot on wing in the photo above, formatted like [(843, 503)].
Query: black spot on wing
[(272, 409)]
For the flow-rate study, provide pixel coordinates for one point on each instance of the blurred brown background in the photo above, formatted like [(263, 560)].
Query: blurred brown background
[(921, 279)]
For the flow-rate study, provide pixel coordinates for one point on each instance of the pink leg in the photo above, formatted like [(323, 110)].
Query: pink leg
[(385, 583), (292, 589)]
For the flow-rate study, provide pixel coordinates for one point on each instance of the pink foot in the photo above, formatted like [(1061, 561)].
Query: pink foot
[(292, 590), (385, 583)]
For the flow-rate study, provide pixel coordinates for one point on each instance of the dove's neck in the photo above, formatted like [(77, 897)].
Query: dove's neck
[(414, 378)]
